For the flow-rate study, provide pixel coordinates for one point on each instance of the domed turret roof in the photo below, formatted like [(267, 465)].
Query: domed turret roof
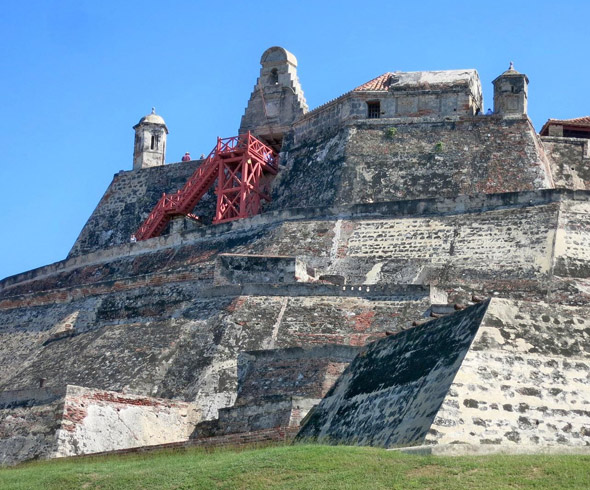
[(152, 118), (511, 70)]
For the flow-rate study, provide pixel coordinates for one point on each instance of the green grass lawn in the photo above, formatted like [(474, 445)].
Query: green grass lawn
[(300, 467)]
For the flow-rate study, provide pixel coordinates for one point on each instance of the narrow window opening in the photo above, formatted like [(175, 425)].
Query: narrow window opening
[(374, 109), (274, 77), (154, 144)]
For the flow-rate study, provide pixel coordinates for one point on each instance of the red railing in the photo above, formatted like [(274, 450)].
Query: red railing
[(239, 196)]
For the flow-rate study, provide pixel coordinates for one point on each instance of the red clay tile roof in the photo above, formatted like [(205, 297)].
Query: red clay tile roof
[(381, 83), (580, 122), (406, 79)]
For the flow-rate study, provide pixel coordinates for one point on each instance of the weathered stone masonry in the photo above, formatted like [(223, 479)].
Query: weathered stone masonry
[(499, 373), (396, 205)]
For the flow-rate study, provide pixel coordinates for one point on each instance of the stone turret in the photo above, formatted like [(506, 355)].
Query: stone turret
[(277, 100), (150, 141), (511, 92)]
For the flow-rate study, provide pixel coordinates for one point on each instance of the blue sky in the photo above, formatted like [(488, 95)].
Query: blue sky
[(75, 76)]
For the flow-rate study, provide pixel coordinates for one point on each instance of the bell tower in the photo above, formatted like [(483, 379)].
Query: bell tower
[(511, 90), (277, 99), (150, 141)]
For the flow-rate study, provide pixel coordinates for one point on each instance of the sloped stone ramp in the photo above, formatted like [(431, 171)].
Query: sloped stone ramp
[(500, 372)]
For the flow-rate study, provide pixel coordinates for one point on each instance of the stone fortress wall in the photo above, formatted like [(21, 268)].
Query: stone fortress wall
[(504, 372), (41, 422), (355, 164), (376, 226)]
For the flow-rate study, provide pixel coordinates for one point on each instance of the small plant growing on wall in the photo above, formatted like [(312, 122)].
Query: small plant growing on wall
[(439, 147), (391, 133)]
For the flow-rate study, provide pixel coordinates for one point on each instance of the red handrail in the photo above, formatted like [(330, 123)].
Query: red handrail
[(244, 148)]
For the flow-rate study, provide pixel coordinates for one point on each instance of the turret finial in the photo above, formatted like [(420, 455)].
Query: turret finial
[(511, 66), (154, 109)]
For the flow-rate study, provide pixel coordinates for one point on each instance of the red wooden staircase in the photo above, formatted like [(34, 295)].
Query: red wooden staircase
[(243, 167)]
